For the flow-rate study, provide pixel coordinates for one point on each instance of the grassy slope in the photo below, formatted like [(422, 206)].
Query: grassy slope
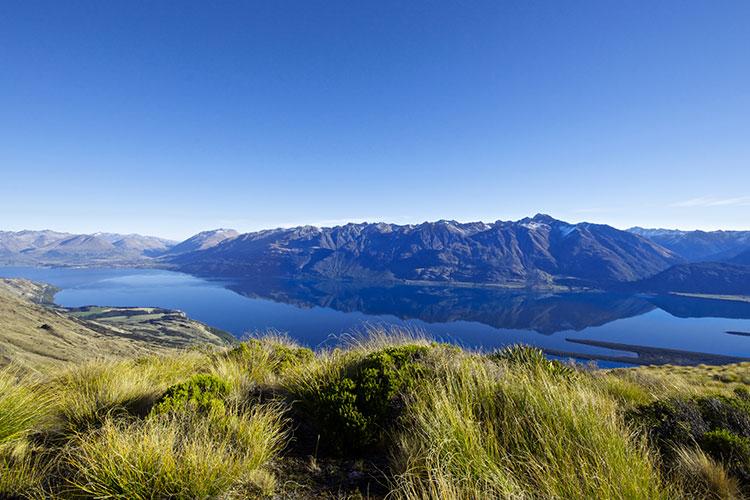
[(41, 337), (391, 416)]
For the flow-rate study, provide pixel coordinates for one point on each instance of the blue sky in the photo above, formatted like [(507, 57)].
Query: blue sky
[(172, 117)]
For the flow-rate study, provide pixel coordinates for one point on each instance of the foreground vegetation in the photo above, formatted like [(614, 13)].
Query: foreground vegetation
[(390, 415)]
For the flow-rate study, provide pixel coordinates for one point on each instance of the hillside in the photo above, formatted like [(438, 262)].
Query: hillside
[(532, 251), (388, 416), (37, 336), (202, 241), (743, 258), (696, 246), (702, 278)]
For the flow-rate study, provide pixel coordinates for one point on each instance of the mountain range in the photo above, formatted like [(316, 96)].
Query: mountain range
[(536, 251), (55, 248), (699, 246), (531, 251)]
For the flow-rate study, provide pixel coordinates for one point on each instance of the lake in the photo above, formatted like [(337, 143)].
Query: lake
[(610, 327)]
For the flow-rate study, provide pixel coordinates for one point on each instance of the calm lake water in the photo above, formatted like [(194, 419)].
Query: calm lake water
[(321, 313)]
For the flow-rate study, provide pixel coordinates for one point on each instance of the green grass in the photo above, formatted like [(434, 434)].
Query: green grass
[(391, 415), (480, 431)]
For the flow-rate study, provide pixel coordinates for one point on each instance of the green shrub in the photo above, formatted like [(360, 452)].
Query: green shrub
[(351, 409), (534, 358), (719, 425), (202, 393), (731, 449)]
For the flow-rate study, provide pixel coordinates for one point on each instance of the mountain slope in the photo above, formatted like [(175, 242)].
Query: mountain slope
[(695, 246), (202, 241), (539, 250), (703, 277), (743, 258)]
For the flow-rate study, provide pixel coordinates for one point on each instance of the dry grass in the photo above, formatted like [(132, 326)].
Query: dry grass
[(702, 477), (721, 379)]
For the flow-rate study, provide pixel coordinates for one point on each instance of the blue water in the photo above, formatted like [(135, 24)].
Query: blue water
[(321, 313)]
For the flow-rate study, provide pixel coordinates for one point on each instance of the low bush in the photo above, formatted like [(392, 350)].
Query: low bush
[(202, 393), (352, 404), (683, 421), (719, 425), (732, 450)]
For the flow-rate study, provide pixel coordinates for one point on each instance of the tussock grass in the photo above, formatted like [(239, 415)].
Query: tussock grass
[(179, 456), (438, 421), (24, 405), (21, 475), (702, 477), (24, 410), (91, 393), (481, 431)]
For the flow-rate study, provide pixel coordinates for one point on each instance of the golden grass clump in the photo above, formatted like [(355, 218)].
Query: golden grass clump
[(702, 477), (179, 456), (91, 393), (24, 405), (24, 410)]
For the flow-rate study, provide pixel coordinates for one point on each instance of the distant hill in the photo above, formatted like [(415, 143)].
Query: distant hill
[(696, 246), (202, 241), (531, 251), (53, 248), (704, 277)]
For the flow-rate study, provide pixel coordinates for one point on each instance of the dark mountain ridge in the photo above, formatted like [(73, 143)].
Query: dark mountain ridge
[(532, 251)]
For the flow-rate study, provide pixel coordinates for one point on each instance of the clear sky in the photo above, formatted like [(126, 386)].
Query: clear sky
[(168, 118)]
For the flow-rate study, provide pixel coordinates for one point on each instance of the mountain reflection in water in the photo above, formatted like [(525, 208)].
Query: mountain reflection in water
[(545, 313)]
